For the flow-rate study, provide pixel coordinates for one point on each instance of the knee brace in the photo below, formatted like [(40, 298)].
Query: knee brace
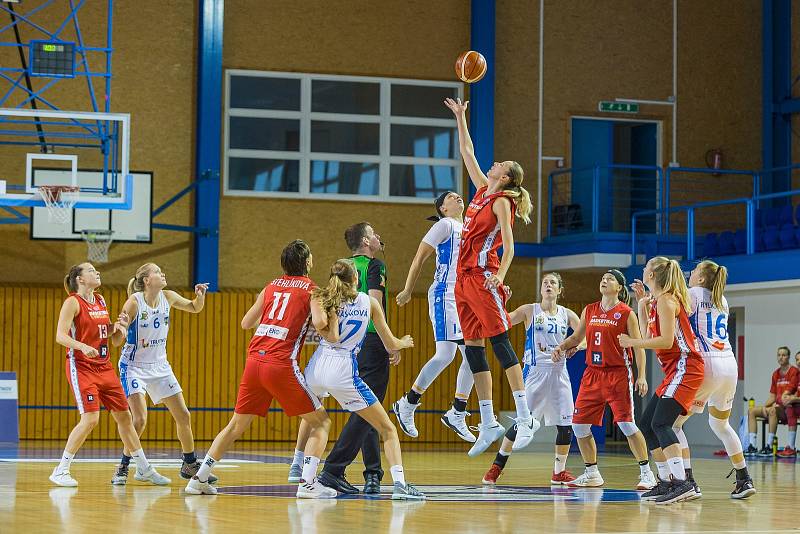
[(476, 358), (726, 434), (582, 430), (628, 428), (504, 351), (681, 437), (564, 436), (651, 439)]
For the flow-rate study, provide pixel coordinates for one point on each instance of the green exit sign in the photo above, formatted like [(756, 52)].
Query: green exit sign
[(618, 107)]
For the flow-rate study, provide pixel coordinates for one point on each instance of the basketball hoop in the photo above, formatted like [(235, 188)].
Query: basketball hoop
[(98, 242), (59, 200)]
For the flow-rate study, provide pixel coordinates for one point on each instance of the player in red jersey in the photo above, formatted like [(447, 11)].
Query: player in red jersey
[(280, 316), (670, 334), (84, 328), (479, 291), (608, 378)]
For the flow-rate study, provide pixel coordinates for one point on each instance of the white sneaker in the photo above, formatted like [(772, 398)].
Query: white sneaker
[(152, 476), (456, 421), (587, 480), (295, 473), (647, 481), (315, 490), (486, 436), (526, 428), (195, 487), (404, 411), (63, 478)]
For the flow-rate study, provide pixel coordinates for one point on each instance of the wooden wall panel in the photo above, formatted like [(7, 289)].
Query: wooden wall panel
[(207, 352)]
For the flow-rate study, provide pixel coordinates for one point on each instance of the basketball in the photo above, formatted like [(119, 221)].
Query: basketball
[(470, 66)]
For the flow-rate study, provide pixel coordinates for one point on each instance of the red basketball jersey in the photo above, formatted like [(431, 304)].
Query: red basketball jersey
[(284, 320), (685, 343), (92, 326), (602, 329), (480, 236)]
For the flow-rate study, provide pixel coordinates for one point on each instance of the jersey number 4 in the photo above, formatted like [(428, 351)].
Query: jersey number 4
[(277, 298)]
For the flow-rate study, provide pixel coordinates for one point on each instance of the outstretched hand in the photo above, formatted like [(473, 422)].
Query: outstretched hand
[(456, 106)]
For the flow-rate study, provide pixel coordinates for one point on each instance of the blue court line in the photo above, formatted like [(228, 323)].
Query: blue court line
[(191, 409)]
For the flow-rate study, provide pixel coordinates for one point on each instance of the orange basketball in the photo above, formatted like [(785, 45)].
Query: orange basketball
[(470, 66)]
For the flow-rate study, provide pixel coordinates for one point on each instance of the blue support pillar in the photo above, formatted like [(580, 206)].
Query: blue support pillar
[(481, 106), (208, 142)]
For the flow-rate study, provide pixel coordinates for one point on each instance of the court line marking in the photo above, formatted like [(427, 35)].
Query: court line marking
[(158, 463)]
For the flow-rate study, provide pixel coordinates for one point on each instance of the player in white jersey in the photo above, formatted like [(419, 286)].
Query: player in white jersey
[(709, 319), (547, 385), (443, 239), (143, 365), (341, 315)]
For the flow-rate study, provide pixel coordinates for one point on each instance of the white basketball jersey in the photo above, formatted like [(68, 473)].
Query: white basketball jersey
[(544, 334), (709, 323), (147, 333), (445, 237), (353, 321)]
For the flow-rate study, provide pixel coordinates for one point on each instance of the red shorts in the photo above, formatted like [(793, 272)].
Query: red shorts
[(263, 381), (682, 378), (481, 312), (601, 386), (94, 384)]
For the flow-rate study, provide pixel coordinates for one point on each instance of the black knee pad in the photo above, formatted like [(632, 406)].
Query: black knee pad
[(667, 411), (476, 358), (564, 436), (504, 351), (511, 433)]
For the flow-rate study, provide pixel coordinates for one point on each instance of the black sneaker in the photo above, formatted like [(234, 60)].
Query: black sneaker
[(679, 490), (120, 477), (372, 484), (697, 493), (766, 451), (190, 470), (339, 483), (660, 489), (744, 487), (751, 451)]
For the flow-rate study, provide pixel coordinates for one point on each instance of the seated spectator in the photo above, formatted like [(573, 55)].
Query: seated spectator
[(785, 378), (791, 403)]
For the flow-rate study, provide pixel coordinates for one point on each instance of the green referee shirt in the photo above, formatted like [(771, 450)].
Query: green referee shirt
[(371, 275)]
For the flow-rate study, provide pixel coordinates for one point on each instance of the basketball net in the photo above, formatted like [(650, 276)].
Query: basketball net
[(59, 200), (98, 243)]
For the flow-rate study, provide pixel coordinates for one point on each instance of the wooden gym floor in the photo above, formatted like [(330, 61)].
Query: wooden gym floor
[(254, 496)]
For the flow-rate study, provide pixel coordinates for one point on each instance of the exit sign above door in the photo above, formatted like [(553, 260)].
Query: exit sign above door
[(618, 107)]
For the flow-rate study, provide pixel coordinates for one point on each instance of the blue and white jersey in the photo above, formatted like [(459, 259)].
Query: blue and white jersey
[(147, 333), (545, 333), (353, 321), (445, 237), (709, 323)]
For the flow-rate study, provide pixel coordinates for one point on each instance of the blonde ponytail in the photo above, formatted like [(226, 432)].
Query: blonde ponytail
[(341, 287), (715, 277), (669, 277), (136, 283), (520, 195)]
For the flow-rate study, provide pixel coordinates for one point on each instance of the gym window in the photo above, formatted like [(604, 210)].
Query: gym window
[(339, 137)]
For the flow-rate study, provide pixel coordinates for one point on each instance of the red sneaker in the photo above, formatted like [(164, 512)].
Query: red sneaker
[(787, 452), (491, 476), (561, 479)]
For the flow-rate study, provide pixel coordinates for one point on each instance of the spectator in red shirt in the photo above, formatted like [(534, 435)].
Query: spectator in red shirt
[(791, 403), (784, 379)]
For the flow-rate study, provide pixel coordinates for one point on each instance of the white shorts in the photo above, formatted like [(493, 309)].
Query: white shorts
[(719, 383), (336, 375), (156, 379), (549, 393), (443, 314)]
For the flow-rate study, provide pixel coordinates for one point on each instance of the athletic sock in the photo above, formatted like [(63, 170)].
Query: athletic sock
[(740, 465), (501, 459), (753, 438), (521, 404), (298, 458), (66, 461), (742, 474), (560, 463), (663, 471), (770, 437), (189, 457), (644, 466), (792, 438), (205, 468), (125, 461), (592, 469), (413, 397), (142, 464), (397, 474), (310, 464), (687, 463), (487, 412), (460, 405), (676, 468)]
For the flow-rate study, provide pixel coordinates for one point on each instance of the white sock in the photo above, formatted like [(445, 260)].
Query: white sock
[(753, 438), (298, 458), (310, 464), (592, 469), (501, 452), (740, 465), (397, 474), (644, 468), (141, 460), (687, 463), (487, 412), (205, 468), (676, 468), (66, 461), (560, 464), (792, 437), (770, 437), (663, 471), (522, 404)]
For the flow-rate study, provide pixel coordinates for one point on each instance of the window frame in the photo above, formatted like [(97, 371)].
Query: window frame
[(304, 156)]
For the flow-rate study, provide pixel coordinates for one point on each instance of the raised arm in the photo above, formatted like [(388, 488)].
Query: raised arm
[(567, 347), (253, 315), (667, 307), (391, 343), (465, 142), (182, 303), (523, 313), (66, 316), (424, 251)]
